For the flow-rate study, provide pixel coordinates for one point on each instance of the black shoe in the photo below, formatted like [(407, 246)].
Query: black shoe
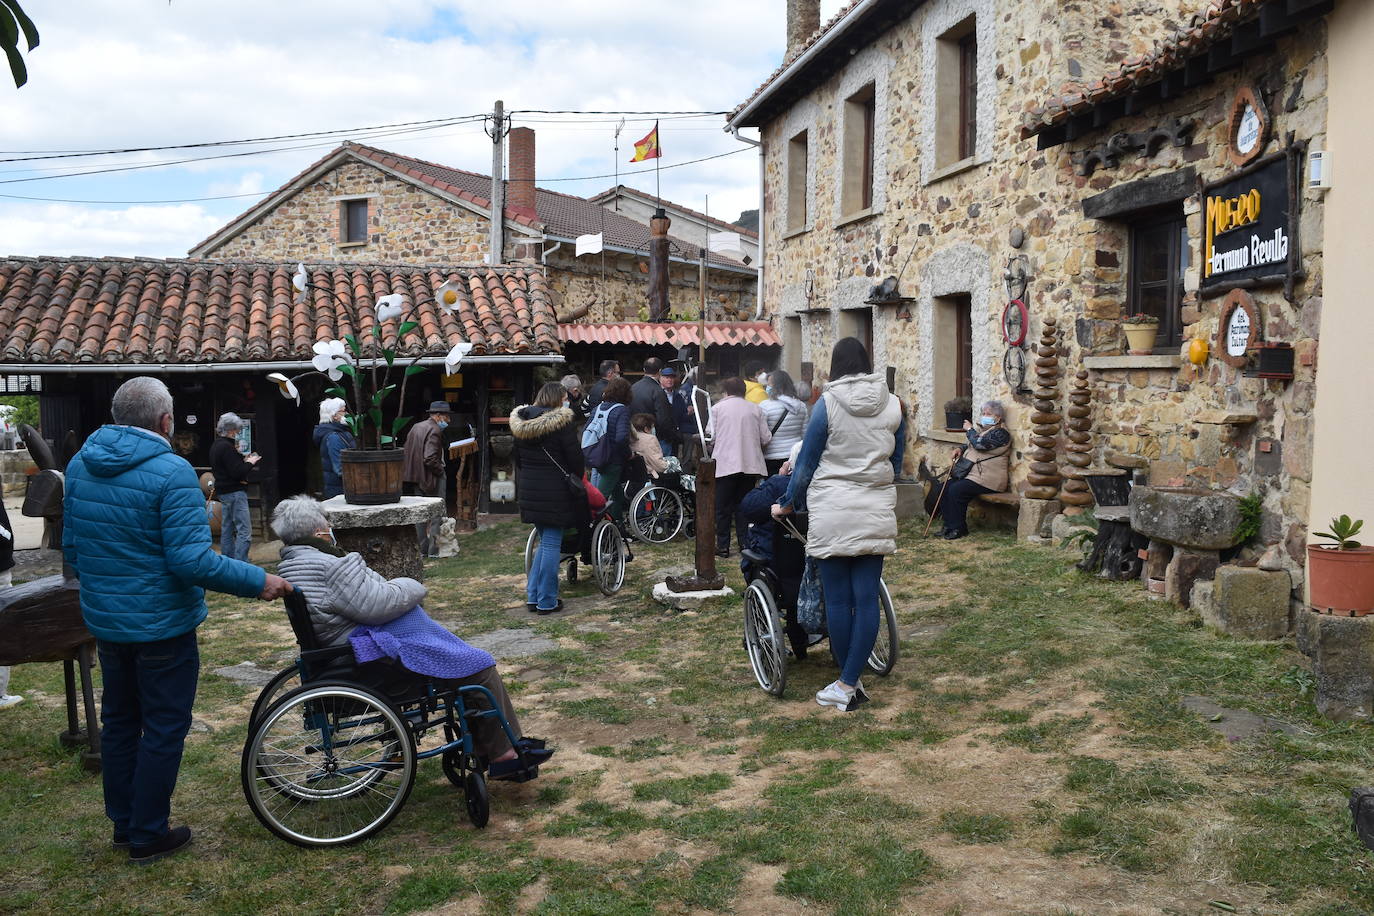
[(531, 607), (174, 840), (955, 535), (120, 840), (629, 554), (543, 612), (723, 552)]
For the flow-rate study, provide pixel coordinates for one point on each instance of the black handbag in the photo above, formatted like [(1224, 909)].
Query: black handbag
[(962, 468)]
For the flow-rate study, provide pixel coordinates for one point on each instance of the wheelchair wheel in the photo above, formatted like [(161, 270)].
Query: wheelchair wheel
[(656, 515), (282, 683), (608, 557), (884, 655), (476, 799), (327, 765), (531, 545), (763, 638)]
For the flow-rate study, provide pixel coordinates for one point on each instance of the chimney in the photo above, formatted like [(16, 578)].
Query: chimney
[(520, 193), (803, 20), (658, 265)]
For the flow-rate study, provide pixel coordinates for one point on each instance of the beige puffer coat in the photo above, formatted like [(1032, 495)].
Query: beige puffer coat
[(851, 498)]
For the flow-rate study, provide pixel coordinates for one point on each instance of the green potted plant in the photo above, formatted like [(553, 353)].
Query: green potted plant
[(1340, 576), (957, 410), (1141, 331), (367, 358)]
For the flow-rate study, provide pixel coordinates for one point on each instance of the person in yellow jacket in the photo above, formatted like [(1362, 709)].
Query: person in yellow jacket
[(755, 382)]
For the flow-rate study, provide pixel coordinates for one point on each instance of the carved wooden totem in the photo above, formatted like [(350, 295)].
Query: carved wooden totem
[(1044, 474), (1076, 492)]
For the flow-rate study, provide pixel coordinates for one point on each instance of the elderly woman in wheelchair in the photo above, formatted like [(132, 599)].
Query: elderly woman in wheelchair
[(375, 675)]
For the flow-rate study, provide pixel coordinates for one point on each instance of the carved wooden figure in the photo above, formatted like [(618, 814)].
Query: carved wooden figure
[(1079, 448), (1044, 477)]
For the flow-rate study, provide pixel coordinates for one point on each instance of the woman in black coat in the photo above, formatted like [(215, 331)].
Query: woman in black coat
[(548, 454)]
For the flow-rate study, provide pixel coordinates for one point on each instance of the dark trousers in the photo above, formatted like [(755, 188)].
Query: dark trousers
[(730, 492), (954, 504), (144, 716), (774, 465)]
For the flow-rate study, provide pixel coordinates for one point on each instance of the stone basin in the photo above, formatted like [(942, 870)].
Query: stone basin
[(1191, 517)]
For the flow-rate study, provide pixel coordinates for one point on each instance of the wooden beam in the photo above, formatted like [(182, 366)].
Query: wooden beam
[(1219, 58), (1195, 71), (1247, 38), (1108, 111), (1050, 137)]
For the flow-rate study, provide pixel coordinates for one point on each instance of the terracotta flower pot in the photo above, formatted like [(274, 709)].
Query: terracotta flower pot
[(1140, 338), (1341, 581)]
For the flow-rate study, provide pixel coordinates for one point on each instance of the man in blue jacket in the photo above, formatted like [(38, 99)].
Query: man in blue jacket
[(136, 535)]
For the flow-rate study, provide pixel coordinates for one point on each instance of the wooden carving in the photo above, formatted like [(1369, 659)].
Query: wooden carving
[(1044, 477), (1079, 449)]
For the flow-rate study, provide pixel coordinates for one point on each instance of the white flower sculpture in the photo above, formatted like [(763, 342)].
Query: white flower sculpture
[(329, 355), (300, 281), (287, 386), (449, 296), (391, 307), (454, 358)]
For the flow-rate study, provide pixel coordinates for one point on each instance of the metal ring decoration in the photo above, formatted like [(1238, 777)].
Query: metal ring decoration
[(1015, 322)]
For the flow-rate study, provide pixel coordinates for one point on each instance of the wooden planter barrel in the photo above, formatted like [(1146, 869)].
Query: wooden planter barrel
[(372, 477)]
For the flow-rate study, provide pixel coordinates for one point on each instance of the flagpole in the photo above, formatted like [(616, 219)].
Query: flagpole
[(658, 187)]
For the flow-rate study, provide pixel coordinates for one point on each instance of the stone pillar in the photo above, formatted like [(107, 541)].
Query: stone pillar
[(385, 534), (1076, 492), (1342, 653), (1044, 474), (1249, 603), (658, 265)]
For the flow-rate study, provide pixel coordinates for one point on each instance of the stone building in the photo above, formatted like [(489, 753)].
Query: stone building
[(688, 224), (935, 142), (362, 204)]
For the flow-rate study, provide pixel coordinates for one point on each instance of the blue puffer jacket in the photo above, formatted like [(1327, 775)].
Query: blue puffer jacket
[(135, 532)]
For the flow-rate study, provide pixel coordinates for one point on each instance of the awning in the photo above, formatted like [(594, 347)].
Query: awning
[(718, 333)]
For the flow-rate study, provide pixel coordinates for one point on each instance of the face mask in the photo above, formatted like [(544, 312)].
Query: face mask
[(987, 421), (565, 402), (442, 424), (333, 540), (768, 390), (762, 378)]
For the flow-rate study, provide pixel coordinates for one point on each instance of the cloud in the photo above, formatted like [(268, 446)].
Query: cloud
[(114, 74)]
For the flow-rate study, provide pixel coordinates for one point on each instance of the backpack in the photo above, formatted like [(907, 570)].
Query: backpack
[(597, 445)]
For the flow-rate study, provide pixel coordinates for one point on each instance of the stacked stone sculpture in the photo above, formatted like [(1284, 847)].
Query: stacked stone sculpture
[(1076, 492), (1044, 477)]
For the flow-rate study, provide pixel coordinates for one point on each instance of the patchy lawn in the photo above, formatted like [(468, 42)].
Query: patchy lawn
[(1029, 754)]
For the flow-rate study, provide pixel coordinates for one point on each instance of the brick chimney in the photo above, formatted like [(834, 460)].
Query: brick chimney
[(520, 191), (803, 19)]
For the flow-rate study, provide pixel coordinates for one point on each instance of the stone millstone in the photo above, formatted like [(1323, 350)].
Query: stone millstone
[(1190, 517)]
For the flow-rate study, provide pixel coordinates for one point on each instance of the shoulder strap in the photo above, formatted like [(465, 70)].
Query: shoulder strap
[(773, 430), (554, 460)]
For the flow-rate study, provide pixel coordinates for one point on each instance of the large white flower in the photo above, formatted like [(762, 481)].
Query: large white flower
[(301, 279), (329, 355), (389, 307), (454, 359), (449, 295), (288, 387)]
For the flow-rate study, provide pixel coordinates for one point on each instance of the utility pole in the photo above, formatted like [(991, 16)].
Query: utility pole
[(499, 121)]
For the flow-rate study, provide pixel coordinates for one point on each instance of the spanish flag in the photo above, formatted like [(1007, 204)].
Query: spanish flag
[(648, 147)]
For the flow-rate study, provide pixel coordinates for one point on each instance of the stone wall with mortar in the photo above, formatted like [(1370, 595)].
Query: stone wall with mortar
[(953, 225), (622, 293)]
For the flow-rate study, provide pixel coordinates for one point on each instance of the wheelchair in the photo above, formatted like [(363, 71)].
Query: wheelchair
[(607, 551), (770, 611), (332, 745), (662, 507)]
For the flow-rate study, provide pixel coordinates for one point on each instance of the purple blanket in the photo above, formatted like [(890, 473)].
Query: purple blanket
[(421, 645)]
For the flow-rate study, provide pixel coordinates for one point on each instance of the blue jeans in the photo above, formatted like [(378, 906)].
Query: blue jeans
[(144, 716), (541, 585), (235, 528), (852, 609)]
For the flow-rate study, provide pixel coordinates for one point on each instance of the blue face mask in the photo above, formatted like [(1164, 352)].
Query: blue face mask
[(987, 421), (442, 424), (768, 390)]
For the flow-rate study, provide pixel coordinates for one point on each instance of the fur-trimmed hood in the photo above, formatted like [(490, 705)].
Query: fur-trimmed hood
[(538, 422)]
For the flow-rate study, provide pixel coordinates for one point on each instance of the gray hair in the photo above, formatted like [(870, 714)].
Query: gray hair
[(994, 408), (331, 406), (141, 402), (228, 423), (297, 518), (570, 382)]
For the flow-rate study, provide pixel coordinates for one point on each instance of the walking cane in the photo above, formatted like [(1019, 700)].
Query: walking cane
[(931, 519)]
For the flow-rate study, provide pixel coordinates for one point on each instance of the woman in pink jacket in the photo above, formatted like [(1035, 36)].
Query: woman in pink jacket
[(739, 433)]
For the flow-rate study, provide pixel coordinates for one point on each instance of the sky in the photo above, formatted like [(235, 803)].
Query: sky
[(126, 74)]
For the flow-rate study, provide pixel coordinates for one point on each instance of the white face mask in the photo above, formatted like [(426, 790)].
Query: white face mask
[(762, 378)]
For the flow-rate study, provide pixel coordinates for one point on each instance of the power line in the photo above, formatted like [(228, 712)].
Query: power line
[(676, 165), (515, 111)]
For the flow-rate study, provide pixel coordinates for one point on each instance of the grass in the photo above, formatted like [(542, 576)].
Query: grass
[(1032, 727)]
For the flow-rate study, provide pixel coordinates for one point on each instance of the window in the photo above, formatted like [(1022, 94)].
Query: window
[(857, 187), (953, 349), (1158, 258), (792, 345), (956, 90), (858, 323), (796, 183), (353, 221)]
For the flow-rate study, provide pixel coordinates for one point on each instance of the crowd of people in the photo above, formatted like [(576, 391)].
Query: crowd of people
[(136, 534)]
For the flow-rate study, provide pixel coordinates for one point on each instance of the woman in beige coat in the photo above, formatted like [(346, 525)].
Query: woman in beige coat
[(844, 476)]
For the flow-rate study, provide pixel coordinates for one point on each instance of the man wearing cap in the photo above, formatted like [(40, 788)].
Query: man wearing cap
[(677, 404), (647, 396), (424, 469)]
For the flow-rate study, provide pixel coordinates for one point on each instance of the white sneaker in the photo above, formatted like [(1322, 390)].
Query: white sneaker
[(10, 699), (837, 695)]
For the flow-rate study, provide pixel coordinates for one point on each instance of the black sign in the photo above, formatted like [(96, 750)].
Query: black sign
[(1247, 232)]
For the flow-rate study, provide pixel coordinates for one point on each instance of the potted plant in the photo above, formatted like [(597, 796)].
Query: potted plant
[(1141, 331), (957, 410), (1341, 575), (367, 358)]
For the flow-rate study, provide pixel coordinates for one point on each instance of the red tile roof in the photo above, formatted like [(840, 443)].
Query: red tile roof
[(130, 311), (719, 333), (610, 194), (1212, 25), (562, 216)]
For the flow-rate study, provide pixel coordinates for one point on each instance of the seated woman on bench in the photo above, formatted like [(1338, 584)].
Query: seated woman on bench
[(349, 603), (988, 444)]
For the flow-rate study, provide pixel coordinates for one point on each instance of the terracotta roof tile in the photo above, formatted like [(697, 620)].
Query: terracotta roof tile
[(772, 77), (131, 311)]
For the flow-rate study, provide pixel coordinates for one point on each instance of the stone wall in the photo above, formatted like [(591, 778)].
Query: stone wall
[(954, 221), (621, 295), (405, 224)]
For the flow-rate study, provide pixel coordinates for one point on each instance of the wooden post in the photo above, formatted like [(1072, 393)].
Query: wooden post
[(706, 578)]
